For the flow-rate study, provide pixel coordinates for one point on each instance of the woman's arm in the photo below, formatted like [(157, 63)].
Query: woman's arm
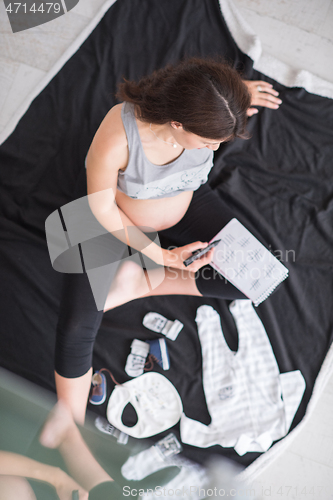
[(60, 432), (107, 155)]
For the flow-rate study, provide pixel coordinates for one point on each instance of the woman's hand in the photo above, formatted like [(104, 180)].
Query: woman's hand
[(65, 486), (262, 94), (175, 258)]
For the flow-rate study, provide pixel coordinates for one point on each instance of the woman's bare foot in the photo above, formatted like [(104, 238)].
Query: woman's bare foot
[(61, 432), (129, 283), (57, 427)]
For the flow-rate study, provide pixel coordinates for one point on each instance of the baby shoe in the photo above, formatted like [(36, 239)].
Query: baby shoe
[(98, 390), (137, 358), (159, 351)]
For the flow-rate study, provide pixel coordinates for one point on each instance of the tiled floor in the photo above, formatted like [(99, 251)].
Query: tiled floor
[(299, 32)]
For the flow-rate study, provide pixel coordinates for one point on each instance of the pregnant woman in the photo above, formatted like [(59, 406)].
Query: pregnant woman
[(149, 162)]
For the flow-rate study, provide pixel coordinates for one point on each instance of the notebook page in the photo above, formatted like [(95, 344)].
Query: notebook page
[(246, 263)]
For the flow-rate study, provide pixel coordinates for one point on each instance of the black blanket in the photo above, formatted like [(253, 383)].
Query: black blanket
[(279, 183)]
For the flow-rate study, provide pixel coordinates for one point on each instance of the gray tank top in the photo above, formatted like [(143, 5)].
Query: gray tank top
[(145, 180)]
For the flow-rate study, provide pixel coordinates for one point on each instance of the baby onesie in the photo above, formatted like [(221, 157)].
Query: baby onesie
[(250, 403)]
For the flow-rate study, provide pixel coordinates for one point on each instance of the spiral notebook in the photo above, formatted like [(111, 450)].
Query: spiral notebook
[(246, 263)]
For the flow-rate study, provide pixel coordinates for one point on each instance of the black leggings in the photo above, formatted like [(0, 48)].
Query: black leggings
[(79, 319)]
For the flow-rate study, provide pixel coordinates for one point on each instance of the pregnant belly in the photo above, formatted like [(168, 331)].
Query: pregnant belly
[(155, 214)]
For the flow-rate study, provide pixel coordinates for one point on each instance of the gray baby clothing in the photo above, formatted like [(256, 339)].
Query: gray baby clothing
[(145, 180), (250, 403)]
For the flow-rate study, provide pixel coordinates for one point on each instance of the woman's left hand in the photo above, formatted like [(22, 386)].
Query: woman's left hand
[(262, 94)]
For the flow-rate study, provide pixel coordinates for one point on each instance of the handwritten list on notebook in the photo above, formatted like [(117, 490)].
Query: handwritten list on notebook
[(246, 263)]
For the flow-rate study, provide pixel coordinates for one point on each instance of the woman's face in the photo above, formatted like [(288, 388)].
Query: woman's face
[(188, 140)]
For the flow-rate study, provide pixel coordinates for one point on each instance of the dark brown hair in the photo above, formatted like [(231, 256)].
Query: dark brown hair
[(207, 97)]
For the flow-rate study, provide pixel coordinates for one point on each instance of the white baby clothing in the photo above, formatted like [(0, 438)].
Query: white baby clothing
[(155, 400), (250, 403), (151, 460)]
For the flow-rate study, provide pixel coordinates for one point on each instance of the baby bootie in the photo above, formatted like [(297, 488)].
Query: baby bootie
[(158, 323)]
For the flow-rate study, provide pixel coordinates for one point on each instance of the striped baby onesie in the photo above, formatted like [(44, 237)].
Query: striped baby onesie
[(250, 403)]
